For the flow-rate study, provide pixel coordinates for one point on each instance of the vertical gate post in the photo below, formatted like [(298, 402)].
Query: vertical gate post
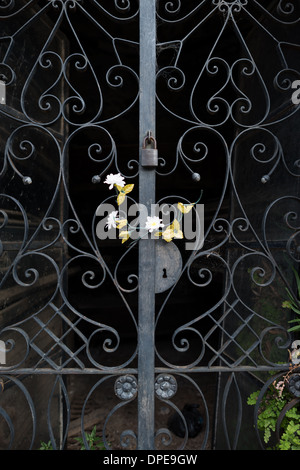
[(146, 246)]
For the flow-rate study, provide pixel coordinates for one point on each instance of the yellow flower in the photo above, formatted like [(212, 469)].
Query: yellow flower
[(125, 235), (173, 231), (123, 191), (184, 208), (168, 234), (121, 223)]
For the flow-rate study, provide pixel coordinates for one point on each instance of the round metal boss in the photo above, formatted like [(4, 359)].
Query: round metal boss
[(165, 386), (294, 385), (126, 387)]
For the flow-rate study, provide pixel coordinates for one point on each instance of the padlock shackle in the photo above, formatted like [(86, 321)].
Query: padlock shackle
[(149, 138)]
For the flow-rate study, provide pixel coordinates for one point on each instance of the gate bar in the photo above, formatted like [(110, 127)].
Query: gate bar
[(146, 246)]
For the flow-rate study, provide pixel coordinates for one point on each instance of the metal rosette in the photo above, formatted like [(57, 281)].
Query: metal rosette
[(126, 387), (294, 385), (165, 386)]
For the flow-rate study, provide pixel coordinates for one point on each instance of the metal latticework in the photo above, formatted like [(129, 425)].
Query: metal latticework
[(149, 324)]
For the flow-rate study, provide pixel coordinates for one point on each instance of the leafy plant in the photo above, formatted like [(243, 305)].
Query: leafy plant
[(94, 442), (294, 304), (46, 446), (272, 404)]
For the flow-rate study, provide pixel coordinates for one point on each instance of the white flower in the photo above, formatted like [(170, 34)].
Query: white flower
[(153, 223), (114, 179), (112, 220)]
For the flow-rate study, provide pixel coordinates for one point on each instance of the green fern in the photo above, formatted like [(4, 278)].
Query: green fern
[(290, 439), (270, 409)]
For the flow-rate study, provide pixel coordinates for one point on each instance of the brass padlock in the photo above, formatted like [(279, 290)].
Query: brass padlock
[(149, 155)]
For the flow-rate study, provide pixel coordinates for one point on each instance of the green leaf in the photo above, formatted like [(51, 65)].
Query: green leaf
[(297, 279), (296, 310), (267, 435), (284, 445), (294, 328), (46, 446), (292, 299), (253, 398)]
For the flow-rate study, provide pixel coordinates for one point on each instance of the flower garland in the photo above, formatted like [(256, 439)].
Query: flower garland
[(153, 223)]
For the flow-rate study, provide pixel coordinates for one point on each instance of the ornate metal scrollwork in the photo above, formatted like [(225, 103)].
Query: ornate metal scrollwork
[(228, 111)]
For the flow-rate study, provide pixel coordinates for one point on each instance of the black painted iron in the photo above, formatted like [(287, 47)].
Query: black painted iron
[(85, 83)]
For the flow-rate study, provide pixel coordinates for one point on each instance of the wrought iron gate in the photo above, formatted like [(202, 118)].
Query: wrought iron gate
[(149, 320)]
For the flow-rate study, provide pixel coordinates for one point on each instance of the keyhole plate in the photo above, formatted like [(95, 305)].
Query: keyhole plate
[(168, 265)]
